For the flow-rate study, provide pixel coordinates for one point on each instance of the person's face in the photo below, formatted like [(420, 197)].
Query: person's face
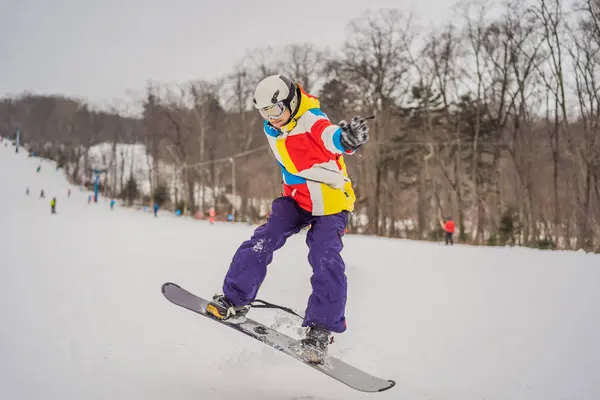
[(281, 120), (277, 114)]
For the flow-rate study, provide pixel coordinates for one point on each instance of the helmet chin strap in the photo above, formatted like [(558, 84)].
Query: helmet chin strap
[(296, 108), (289, 121), (293, 113)]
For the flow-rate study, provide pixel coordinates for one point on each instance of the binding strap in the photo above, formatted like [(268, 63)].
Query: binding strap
[(266, 304)]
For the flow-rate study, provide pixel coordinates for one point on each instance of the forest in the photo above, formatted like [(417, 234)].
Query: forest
[(491, 118)]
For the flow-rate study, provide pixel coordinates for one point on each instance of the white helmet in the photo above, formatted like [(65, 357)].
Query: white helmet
[(274, 94)]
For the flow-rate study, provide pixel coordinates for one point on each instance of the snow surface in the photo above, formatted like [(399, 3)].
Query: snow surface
[(83, 316)]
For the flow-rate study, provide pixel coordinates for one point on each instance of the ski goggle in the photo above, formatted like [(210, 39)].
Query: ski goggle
[(272, 112)]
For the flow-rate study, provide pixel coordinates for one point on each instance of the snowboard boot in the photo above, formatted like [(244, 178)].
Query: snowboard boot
[(314, 346), (221, 308)]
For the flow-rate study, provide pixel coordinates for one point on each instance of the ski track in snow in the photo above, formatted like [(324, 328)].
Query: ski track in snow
[(84, 318)]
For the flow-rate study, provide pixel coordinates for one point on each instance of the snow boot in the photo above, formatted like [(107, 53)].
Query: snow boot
[(221, 308), (314, 346)]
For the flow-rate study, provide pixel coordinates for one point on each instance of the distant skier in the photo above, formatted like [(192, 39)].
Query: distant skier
[(112, 204), (155, 209), (317, 191), (69, 192), (53, 205), (89, 199), (42, 194), (211, 215), (27, 190), (39, 168), (448, 228)]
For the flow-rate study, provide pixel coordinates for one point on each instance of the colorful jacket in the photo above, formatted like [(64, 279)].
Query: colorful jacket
[(310, 154)]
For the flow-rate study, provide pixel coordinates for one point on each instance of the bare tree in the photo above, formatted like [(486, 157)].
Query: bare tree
[(305, 63), (375, 65), (585, 55)]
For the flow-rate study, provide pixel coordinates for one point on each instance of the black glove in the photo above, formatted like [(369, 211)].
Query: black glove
[(354, 134)]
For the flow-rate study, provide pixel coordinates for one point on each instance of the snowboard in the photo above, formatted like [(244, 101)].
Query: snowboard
[(332, 367)]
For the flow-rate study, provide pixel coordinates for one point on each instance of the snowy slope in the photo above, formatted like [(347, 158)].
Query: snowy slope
[(83, 316)]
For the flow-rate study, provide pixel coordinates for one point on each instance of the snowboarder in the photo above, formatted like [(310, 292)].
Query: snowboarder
[(317, 192), (53, 205), (448, 228)]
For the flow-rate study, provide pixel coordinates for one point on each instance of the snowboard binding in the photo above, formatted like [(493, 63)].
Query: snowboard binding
[(223, 309)]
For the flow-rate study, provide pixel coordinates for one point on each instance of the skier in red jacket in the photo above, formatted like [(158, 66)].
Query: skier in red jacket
[(448, 230)]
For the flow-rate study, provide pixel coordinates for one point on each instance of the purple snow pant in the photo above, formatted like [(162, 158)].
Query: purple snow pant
[(248, 268)]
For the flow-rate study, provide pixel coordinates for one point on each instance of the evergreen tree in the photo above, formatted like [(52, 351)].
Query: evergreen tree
[(508, 227), (130, 191), (161, 195)]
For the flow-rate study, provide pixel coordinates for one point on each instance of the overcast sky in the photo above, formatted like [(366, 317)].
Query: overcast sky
[(100, 49)]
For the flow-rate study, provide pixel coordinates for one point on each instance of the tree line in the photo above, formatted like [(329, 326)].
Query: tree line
[(491, 118)]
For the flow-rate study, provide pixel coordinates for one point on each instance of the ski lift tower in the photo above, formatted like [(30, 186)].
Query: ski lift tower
[(17, 139), (97, 172)]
